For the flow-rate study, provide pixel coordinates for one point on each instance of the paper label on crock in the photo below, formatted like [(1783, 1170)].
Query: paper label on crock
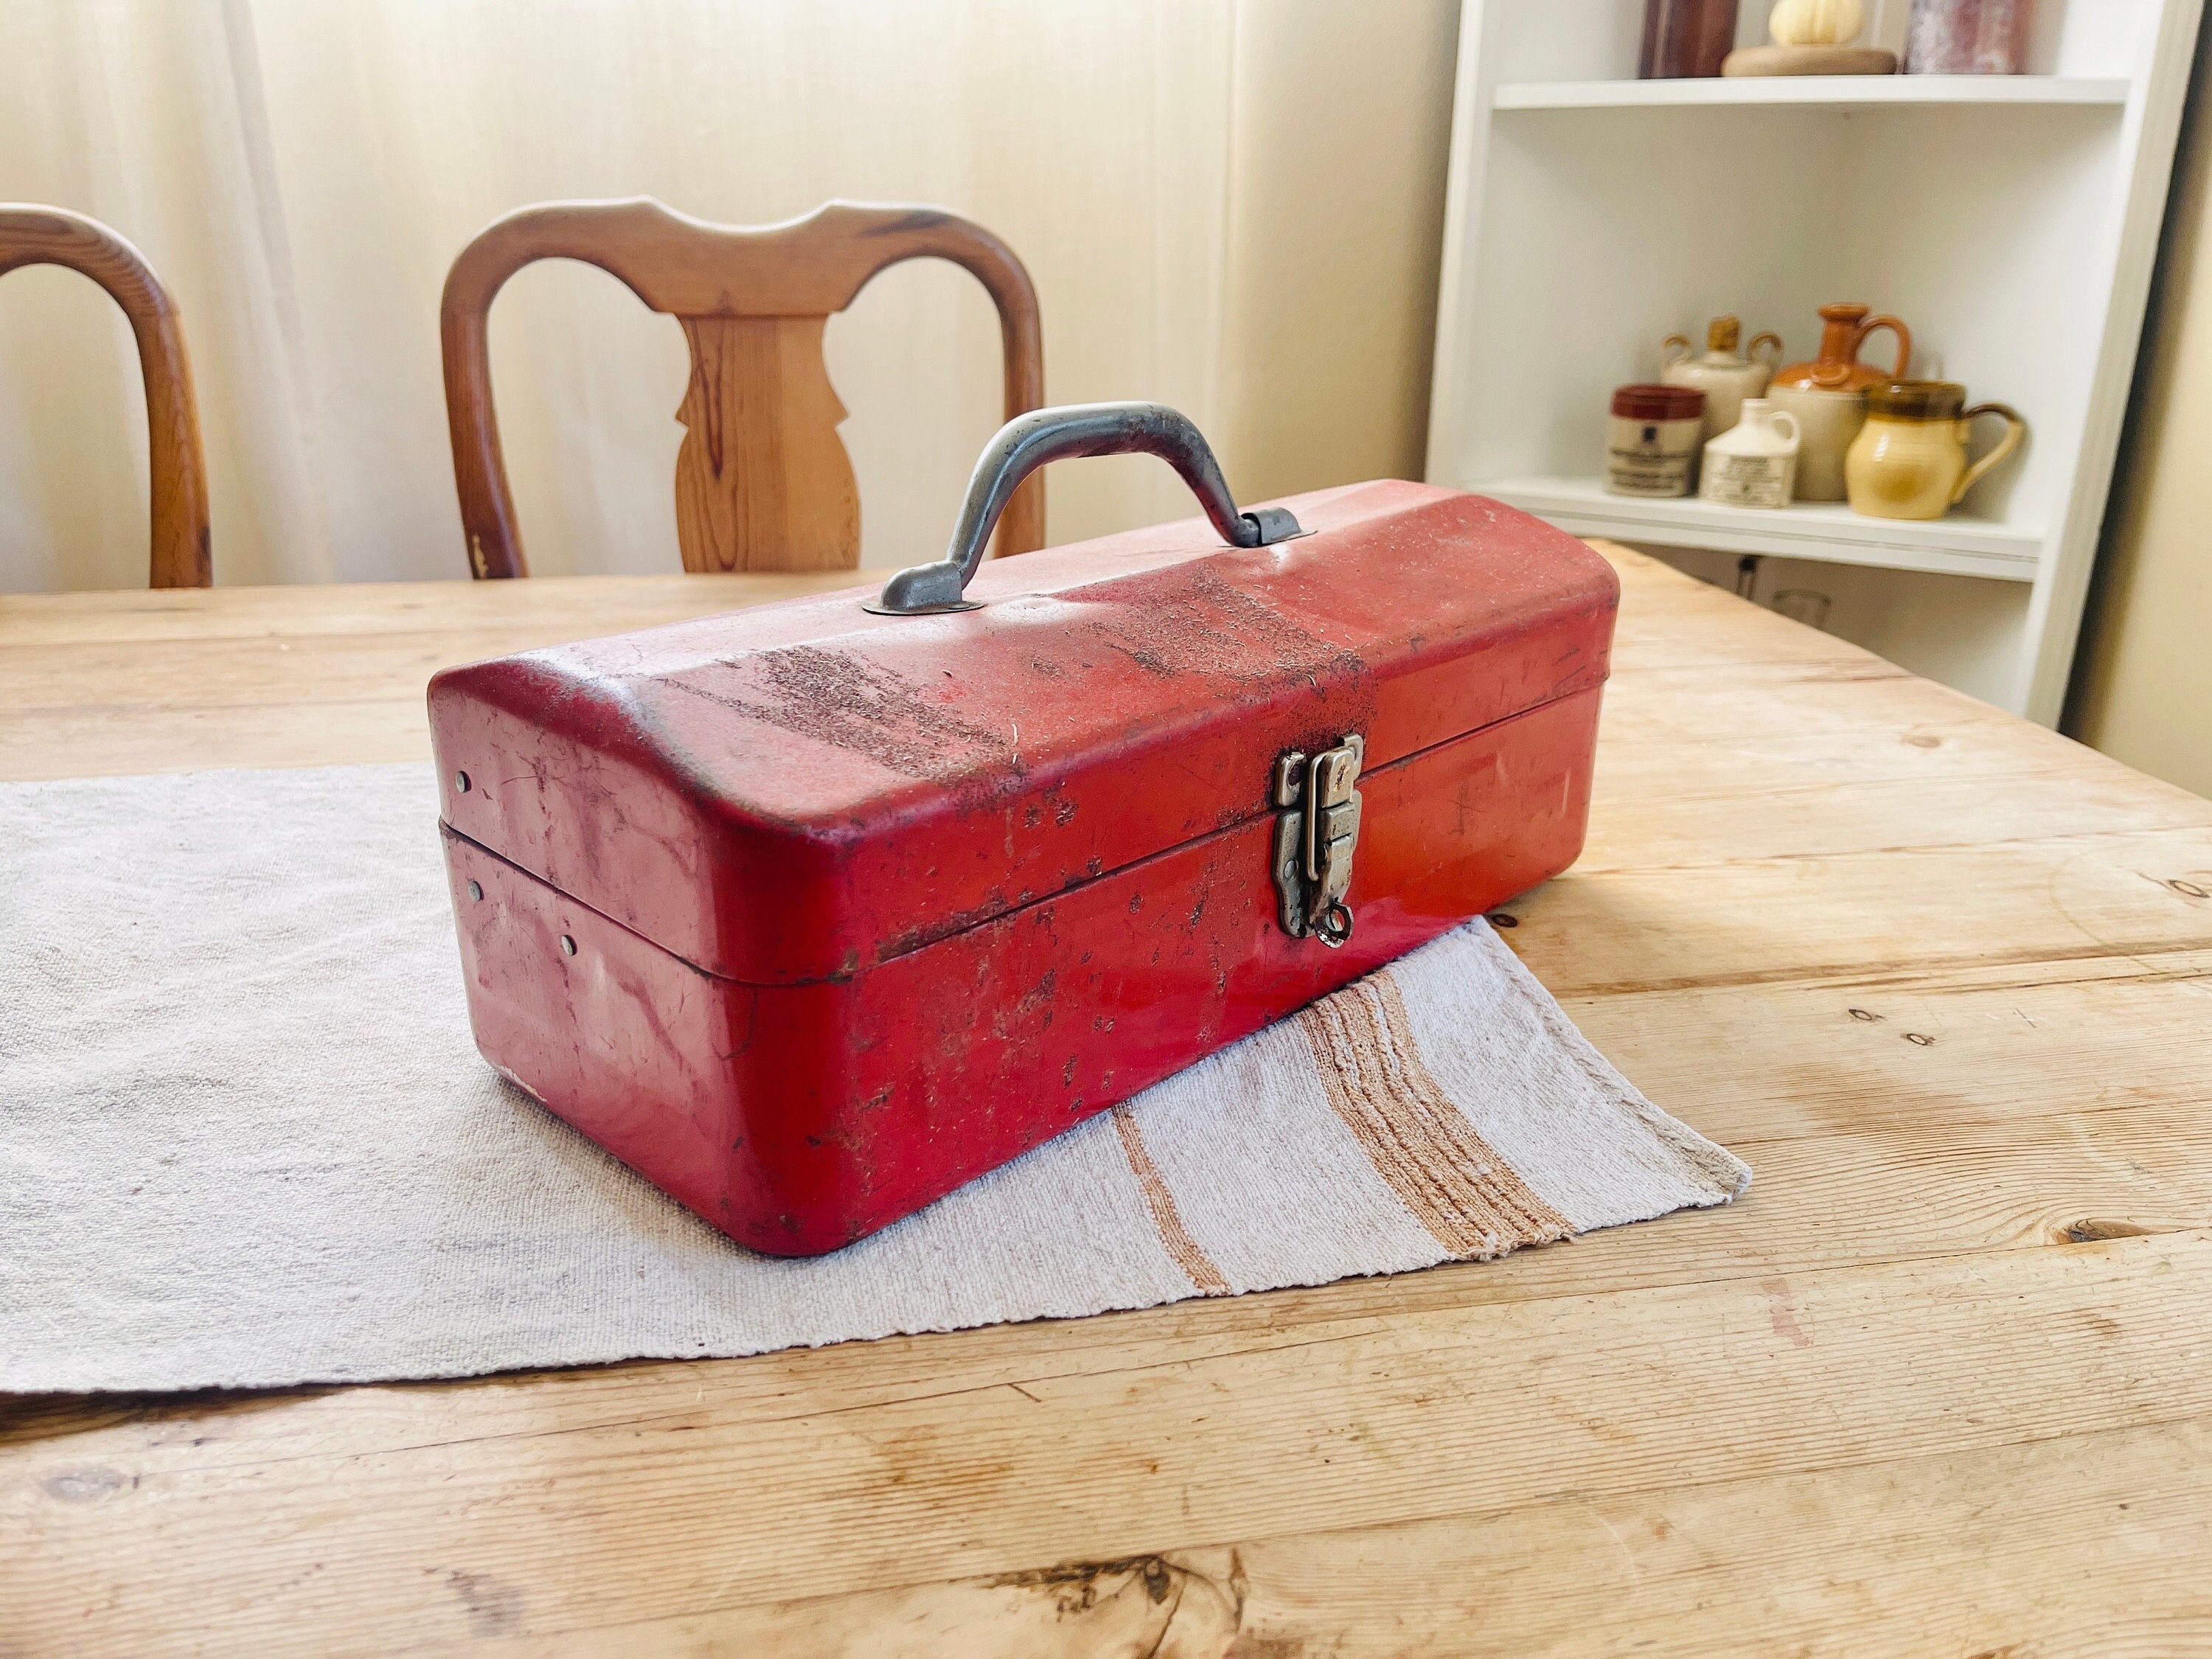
[(1647, 472), (1746, 480), (1650, 457)]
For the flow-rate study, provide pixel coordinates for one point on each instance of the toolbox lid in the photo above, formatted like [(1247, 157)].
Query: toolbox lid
[(803, 790)]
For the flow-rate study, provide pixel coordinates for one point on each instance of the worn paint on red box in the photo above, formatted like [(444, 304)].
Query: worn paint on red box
[(863, 906)]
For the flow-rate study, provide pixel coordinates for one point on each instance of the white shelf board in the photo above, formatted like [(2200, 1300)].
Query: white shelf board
[(1955, 546), (1823, 91)]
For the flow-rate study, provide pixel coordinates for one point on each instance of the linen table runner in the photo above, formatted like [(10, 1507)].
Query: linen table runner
[(245, 1139)]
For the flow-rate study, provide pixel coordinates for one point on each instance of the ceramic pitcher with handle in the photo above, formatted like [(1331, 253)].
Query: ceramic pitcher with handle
[(1909, 460)]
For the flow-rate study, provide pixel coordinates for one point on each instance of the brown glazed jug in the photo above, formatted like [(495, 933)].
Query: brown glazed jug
[(1828, 395)]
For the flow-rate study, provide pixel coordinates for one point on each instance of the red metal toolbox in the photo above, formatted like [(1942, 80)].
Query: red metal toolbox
[(812, 912)]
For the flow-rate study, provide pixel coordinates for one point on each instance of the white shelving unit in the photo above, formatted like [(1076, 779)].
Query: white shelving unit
[(2011, 221), (1956, 546), (1828, 91)]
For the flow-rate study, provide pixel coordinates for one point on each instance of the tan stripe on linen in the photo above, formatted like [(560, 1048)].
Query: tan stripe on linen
[(1471, 1200), (1186, 1250)]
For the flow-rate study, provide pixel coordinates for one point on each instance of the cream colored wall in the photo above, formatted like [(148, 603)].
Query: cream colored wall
[(2143, 689), (1341, 141), (1230, 205)]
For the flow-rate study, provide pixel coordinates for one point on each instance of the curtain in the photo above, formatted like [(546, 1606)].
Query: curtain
[(301, 173)]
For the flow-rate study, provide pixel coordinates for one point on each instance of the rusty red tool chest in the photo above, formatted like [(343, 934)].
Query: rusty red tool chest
[(812, 912)]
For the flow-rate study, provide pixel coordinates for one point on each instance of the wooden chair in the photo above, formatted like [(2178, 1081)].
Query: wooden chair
[(762, 481), (34, 235)]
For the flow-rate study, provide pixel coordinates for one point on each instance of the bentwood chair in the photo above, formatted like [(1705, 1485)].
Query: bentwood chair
[(34, 235), (762, 481)]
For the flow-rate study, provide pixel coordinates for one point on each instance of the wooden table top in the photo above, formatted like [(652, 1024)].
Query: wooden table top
[(1941, 1383)]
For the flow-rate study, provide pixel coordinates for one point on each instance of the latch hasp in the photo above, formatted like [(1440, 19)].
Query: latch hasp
[(1316, 831)]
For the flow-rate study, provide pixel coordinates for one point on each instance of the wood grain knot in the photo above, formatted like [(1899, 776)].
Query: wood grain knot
[(2091, 1232)]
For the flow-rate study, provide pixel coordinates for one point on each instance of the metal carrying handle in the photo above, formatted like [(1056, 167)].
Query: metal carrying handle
[(1026, 443)]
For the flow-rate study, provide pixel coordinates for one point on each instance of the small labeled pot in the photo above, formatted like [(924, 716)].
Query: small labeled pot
[(1754, 463), (1909, 460), (1651, 441)]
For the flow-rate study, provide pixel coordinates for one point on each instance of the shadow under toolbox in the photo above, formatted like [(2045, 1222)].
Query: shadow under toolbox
[(812, 912)]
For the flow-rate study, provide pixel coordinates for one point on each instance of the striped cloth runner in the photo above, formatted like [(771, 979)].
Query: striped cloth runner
[(248, 1141)]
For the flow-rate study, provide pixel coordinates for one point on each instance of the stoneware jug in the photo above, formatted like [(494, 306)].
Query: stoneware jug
[(1828, 395), (1909, 460), (1725, 378), (1754, 463)]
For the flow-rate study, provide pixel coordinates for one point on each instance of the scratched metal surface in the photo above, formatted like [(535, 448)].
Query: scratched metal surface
[(811, 915)]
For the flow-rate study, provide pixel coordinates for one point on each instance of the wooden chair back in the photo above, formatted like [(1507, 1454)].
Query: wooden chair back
[(762, 481), (34, 235)]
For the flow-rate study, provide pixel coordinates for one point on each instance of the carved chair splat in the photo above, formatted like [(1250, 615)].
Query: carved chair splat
[(763, 480)]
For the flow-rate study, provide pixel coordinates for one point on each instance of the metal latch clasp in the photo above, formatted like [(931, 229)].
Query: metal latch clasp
[(1316, 828)]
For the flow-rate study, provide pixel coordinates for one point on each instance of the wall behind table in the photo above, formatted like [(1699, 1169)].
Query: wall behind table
[(1230, 205), (2143, 684)]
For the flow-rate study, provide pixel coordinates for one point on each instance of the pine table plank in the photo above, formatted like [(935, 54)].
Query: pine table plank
[(2062, 1544), (1938, 1384)]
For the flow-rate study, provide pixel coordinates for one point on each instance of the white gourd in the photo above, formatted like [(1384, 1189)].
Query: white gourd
[(1815, 22)]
